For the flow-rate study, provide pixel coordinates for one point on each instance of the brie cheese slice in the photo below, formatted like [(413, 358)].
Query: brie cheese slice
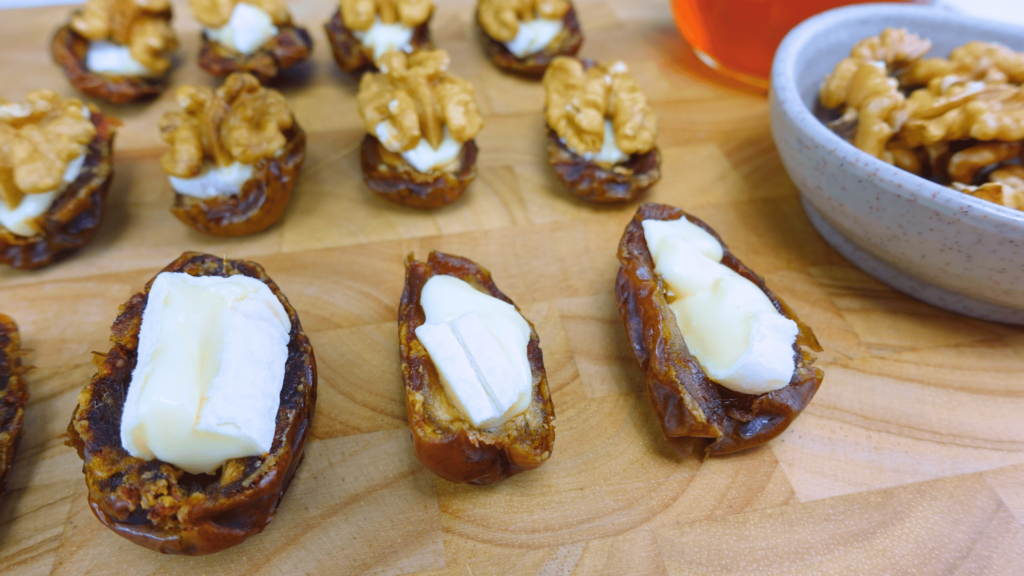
[(214, 181), (609, 152), (112, 59), (460, 378), (424, 157), (478, 345), (248, 29), (19, 220), (207, 383), (534, 36), (728, 323), (384, 38)]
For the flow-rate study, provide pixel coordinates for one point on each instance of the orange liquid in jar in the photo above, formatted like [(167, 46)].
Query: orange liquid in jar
[(742, 35)]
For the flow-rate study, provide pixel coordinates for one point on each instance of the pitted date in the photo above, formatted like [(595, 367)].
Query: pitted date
[(444, 441), (157, 505), (291, 46), (389, 176), (695, 413), (355, 58), (75, 216), (567, 43), (261, 202), (69, 49), (589, 181)]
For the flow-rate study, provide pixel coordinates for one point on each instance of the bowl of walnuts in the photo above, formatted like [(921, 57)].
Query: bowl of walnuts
[(903, 128)]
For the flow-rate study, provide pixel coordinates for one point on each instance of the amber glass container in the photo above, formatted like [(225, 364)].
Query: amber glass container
[(738, 38)]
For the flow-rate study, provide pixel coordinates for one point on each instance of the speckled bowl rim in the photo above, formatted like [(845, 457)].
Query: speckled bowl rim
[(895, 180)]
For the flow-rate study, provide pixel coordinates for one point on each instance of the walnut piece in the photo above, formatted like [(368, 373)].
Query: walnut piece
[(415, 97), (1012, 179), (965, 164), (893, 48), (863, 82), (142, 25), (239, 122), (578, 99), (912, 160), (981, 61), (1005, 187), (216, 13), (361, 14), (37, 141), (994, 113), (501, 18), (1008, 192)]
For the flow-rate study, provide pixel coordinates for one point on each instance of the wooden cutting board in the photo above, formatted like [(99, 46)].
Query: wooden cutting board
[(910, 459)]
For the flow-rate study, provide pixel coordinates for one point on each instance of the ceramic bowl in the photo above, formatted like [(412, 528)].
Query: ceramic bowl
[(931, 242)]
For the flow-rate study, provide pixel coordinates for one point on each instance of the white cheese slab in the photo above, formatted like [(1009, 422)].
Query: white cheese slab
[(728, 323), (211, 358)]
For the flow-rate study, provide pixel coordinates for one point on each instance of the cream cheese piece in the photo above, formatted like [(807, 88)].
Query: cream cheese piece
[(214, 181), (424, 157), (104, 57), (206, 387), (248, 29), (534, 36), (478, 345), (609, 152), (19, 220), (729, 325), (384, 38)]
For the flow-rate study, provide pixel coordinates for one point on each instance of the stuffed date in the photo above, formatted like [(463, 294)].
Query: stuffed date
[(236, 156), (454, 436), (686, 292), (611, 160), (117, 51), (163, 506), (53, 187), (525, 36), (420, 122), (355, 33), (258, 38)]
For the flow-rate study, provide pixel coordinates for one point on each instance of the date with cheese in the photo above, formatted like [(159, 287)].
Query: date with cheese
[(476, 392), (728, 365), (200, 409)]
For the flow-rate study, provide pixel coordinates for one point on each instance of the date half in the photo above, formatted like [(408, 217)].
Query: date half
[(157, 505), (444, 441), (695, 412)]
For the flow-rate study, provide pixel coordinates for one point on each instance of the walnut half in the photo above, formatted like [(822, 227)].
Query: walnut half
[(37, 142), (579, 97), (216, 13), (239, 122), (361, 14), (141, 25), (501, 18), (415, 97)]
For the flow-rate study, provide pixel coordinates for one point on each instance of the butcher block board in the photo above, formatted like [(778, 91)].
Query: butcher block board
[(910, 460)]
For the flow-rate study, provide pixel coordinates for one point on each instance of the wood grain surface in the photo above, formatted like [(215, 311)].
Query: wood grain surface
[(910, 460)]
